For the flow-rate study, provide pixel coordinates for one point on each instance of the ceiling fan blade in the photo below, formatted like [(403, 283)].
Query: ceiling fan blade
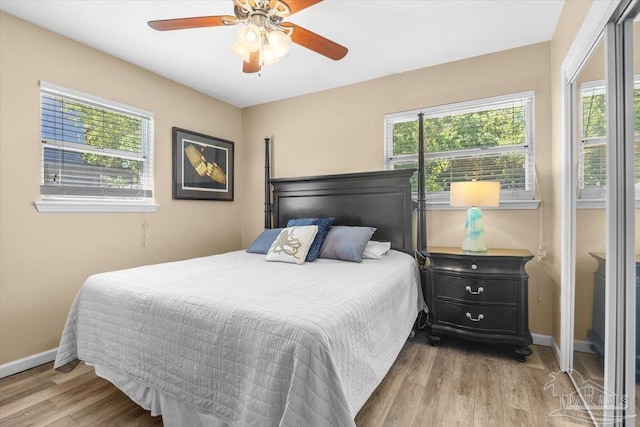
[(298, 5), (316, 42), (196, 22), (253, 66)]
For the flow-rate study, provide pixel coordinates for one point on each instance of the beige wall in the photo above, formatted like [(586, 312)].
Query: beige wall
[(341, 130), (44, 258)]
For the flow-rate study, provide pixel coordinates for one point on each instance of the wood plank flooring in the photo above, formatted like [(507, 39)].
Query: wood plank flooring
[(456, 384), (461, 383)]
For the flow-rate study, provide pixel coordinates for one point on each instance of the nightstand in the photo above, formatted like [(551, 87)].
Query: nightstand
[(480, 296)]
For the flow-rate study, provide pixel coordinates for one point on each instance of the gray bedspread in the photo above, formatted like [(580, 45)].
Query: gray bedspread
[(251, 342)]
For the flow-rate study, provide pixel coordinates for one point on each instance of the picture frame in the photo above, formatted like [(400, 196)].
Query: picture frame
[(202, 166)]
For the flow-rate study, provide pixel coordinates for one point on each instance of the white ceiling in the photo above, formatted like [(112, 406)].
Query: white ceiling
[(383, 37)]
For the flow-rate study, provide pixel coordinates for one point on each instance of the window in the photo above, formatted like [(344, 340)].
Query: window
[(486, 139), (96, 154), (592, 152)]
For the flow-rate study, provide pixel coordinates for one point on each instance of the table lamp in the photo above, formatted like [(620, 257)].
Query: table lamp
[(473, 194)]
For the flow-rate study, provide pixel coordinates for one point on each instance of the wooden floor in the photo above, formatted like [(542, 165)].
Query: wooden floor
[(461, 383), (457, 383)]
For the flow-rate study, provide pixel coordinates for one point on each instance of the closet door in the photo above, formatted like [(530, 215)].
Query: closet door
[(630, 92), (589, 146), (622, 118), (600, 321)]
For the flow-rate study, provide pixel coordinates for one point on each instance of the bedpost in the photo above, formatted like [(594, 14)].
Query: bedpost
[(267, 185), (421, 238)]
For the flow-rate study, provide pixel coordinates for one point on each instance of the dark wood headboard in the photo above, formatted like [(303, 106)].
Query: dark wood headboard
[(376, 199)]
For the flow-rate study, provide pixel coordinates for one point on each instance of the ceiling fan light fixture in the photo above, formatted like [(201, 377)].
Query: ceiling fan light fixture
[(269, 56), (263, 38), (241, 51), (250, 38), (280, 42)]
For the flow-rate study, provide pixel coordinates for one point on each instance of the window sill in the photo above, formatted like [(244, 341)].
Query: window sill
[(46, 206), (597, 203), (504, 205), (590, 203)]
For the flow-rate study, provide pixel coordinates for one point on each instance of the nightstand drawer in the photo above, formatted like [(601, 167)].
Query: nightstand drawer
[(474, 289), (492, 320), (477, 264)]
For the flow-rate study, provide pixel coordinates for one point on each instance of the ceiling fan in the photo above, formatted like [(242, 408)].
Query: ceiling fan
[(264, 38)]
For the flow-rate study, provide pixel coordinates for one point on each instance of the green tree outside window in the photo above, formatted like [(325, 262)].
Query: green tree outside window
[(483, 144)]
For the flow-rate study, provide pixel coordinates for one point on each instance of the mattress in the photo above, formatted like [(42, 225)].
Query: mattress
[(234, 340)]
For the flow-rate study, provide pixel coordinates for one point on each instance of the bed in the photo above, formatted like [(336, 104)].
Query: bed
[(233, 340)]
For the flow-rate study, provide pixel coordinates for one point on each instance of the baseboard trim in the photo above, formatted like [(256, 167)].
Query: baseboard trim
[(548, 341), (556, 350), (28, 362), (582, 346), (545, 340)]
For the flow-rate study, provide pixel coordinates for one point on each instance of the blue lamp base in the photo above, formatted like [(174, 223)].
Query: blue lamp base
[(474, 240)]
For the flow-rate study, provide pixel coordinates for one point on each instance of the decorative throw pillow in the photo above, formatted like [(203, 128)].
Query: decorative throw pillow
[(376, 250), (263, 242), (323, 228), (346, 243), (292, 244)]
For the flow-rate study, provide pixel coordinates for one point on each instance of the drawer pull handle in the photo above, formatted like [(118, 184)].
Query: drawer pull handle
[(479, 318), (474, 266), (478, 292)]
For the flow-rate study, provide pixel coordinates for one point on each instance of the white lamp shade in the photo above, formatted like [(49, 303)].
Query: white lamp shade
[(241, 51), (269, 56), (249, 37), (280, 42), (475, 193)]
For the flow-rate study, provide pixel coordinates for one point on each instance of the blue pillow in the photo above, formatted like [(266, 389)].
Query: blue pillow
[(264, 241), (324, 224), (346, 243)]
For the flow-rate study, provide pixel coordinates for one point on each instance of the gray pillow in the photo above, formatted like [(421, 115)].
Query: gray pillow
[(264, 241), (346, 243)]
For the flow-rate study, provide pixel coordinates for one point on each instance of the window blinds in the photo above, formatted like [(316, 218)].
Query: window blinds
[(592, 152), (94, 148), (487, 140)]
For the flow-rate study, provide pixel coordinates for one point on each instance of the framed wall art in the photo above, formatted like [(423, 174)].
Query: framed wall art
[(202, 166)]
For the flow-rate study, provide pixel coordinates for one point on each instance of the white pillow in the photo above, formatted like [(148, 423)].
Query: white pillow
[(375, 250), (292, 244)]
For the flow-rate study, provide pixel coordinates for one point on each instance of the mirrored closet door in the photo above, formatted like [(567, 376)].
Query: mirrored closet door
[(590, 183), (624, 79), (600, 270), (635, 354)]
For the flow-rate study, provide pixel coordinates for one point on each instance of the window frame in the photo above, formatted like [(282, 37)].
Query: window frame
[(509, 199), (594, 198), (51, 202)]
